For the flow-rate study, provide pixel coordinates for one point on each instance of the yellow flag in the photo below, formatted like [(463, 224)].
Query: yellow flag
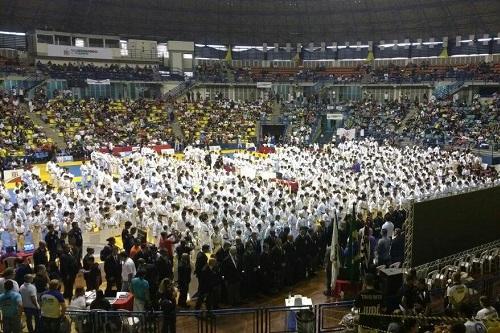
[(296, 59), (370, 56), (229, 54), (444, 53)]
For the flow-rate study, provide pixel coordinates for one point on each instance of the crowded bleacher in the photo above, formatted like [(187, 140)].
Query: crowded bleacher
[(89, 71), (411, 73)]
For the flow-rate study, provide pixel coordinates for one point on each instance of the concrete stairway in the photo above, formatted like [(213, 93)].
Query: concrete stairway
[(177, 130), (409, 116), (276, 114), (49, 131)]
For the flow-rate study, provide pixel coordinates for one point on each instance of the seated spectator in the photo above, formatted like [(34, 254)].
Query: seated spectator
[(100, 302), (487, 312)]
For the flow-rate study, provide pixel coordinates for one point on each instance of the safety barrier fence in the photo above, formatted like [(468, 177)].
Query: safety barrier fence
[(323, 318)]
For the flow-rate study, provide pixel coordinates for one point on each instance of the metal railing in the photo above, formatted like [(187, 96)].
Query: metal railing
[(241, 320)]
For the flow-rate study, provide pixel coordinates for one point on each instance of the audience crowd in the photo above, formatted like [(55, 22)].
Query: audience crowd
[(19, 136), (431, 123), (85, 71), (410, 73)]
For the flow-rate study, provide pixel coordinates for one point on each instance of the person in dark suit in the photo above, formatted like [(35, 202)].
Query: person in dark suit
[(398, 247), (113, 271), (184, 278), (303, 260), (69, 266), (254, 242), (51, 240), (40, 255), (164, 266), (290, 259), (271, 239), (127, 238), (210, 286), (200, 263), (222, 253), (266, 268), (75, 239), (250, 266), (231, 268), (278, 257)]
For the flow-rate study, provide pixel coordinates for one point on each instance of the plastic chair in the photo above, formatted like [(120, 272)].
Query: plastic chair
[(10, 262)]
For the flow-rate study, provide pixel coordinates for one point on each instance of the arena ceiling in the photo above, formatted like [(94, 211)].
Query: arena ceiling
[(252, 22)]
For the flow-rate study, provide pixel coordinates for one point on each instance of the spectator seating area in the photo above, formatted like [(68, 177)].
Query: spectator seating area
[(475, 125), (222, 121), (302, 120), (377, 120), (92, 124), (433, 123), (10, 66), (19, 136), (88, 71)]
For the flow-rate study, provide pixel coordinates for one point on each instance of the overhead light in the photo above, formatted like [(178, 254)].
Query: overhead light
[(12, 33)]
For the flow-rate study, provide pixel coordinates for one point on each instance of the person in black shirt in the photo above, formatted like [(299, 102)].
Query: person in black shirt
[(100, 302), (40, 255), (75, 239), (408, 295), (167, 305), (92, 276), (52, 240), (369, 302), (182, 248), (127, 238), (108, 249), (41, 280), (378, 221), (423, 301), (164, 266), (88, 257), (22, 269)]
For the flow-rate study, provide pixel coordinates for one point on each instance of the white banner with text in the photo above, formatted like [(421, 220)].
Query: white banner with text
[(79, 52)]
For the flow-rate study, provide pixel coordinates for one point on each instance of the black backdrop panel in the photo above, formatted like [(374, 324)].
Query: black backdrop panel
[(449, 225)]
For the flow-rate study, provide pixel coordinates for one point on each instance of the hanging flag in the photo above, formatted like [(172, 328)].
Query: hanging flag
[(444, 53), (229, 54), (370, 56), (335, 252), (296, 59)]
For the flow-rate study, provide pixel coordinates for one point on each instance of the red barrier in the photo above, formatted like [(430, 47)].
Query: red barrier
[(266, 150), (294, 186), (124, 149)]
